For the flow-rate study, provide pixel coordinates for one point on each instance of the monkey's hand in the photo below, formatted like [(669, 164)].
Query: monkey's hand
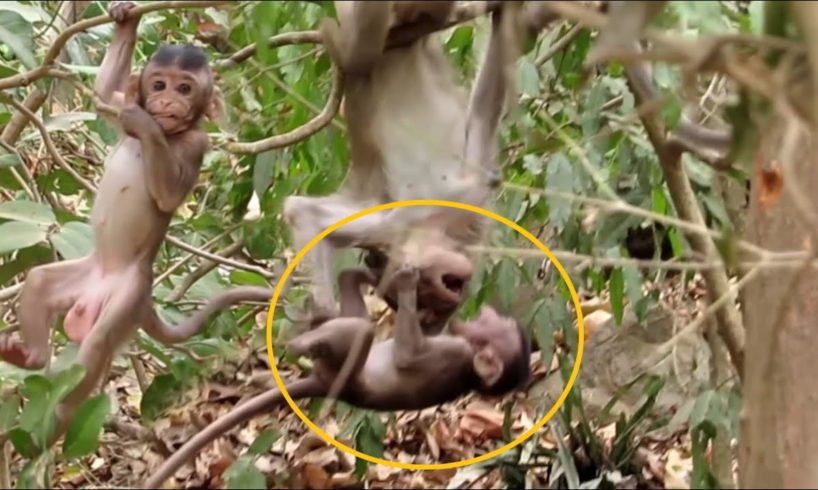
[(136, 122), (14, 352), (406, 278), (119, 12)]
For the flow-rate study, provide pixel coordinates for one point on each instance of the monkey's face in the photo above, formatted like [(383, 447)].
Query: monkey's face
[(444, 275), (176, 98), (494, 341)]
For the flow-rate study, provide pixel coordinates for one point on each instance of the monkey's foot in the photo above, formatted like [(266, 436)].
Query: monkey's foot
[(14, 351)]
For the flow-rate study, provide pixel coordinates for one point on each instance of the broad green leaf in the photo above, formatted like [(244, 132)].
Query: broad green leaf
[(15, 235), (529, 80), (74, 240), (617, 285), (244, 474), (30, 13), (263, 442), (264, 170), (27, 212), (560, 177), (633, 283), (37, 389), (160, 394), (17, 34), (23, 442), (86, 426), (9, 159), (8, 413)]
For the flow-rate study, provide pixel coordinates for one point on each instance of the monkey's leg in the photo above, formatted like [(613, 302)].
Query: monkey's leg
[(308, 216), (349, 285), (113, 328), (334, 340), (489, 95), (48, 290), (357, 45)]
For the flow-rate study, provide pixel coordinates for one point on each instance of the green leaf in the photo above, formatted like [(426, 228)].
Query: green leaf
[(244, 474), (8, 413), (27, 212), (264, 442), (617, 285), (35, 473), (30, 13), (86, 426), (506, 281), (633, 283), (264, 170), (18, 35), (23, 443), (560, 177), (160, 394), (15, 235), (10, 159), (671, 112), (74, 240)]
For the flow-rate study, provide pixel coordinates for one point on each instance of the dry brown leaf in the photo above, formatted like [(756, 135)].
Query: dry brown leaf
[(315, 476), (482, 424)]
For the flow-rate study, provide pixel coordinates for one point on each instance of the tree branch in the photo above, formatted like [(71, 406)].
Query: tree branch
[(730, 325), (30, 76), (300, 133)]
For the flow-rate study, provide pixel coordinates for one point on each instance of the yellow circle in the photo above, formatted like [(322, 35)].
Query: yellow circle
[(425, 202)]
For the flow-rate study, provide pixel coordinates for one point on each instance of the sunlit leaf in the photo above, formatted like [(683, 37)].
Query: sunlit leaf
[(27, 211), (74, 240)]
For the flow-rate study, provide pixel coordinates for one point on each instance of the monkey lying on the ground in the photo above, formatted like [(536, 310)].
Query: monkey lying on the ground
[(106, 295), (489, 354), (412, 135)]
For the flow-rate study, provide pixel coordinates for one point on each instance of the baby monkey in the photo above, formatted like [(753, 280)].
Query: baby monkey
[(489, 354), (106, 295)]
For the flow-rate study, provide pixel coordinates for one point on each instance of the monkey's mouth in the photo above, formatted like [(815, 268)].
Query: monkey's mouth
[(453, 283)]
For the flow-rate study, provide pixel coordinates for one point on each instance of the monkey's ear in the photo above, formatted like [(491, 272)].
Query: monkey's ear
[(215, 107), (132, 90)]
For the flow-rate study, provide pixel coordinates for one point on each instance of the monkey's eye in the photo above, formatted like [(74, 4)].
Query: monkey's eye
[(159, 85), (183, 89)]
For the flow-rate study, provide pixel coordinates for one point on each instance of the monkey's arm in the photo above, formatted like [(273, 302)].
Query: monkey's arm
[(409, 339), (168, 334), (116, 65), (171, 171), (302, 388)]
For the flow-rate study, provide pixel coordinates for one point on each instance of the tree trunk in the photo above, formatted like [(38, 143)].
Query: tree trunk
[(779, 429)]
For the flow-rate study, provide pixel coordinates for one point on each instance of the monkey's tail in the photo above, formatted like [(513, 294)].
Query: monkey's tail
[(171, 334), (302, 388)]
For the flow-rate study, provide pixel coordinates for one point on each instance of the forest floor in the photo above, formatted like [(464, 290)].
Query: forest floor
[(300, 459)]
